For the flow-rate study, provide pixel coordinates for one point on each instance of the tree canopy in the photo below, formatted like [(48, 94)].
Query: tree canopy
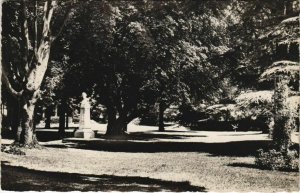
[(136, 56)]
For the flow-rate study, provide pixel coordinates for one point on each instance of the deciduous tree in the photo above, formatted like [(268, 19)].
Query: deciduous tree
[(28, 35)]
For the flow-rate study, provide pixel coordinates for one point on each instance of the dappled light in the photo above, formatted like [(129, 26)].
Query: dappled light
[(150, 95)]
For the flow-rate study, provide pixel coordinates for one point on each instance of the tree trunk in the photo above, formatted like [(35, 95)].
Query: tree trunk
[(25, 134), (161, 126), (13, 116), (62, 118), (115, 126), (67, 120), (27, 123), (125, 128), (48, 112), (283, 122), (61, 127), (35, 69)]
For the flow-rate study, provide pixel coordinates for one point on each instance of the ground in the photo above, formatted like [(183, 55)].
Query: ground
[(175, 160)]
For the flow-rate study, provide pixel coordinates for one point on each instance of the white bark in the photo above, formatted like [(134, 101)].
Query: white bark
[(36, 75)]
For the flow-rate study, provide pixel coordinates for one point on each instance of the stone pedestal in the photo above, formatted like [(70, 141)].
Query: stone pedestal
[(84, 133), (84, 130)]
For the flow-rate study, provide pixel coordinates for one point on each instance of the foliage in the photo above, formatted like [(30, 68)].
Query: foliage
[(265, 32), (11, 149), (285, 67), (224, 112), (293, 103), (277, 160), (133, 56), (251, 104), (256, 103), (29, 31)]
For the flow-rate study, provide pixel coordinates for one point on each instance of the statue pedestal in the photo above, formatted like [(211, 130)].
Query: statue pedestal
[(84, 133)]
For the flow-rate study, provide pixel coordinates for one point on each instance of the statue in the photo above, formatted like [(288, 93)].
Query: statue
[(85, 130), (84, 121)]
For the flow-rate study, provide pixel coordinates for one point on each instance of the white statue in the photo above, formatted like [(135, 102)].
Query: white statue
[(85, 131), (84, 122)]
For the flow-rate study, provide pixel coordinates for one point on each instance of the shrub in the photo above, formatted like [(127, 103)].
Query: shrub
[(12, 150), (277, 160), (149, 119)]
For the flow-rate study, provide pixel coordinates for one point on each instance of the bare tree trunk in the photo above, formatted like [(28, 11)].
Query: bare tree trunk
[(111, 113), (115, 126), (125, 127), (27, 124), (161, 126), (61, 127), (62, 119), (26, 134), (48, 112), (13, 116), (67, 120)]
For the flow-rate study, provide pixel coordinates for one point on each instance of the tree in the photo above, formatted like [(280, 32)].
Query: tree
[(284, 71), (271, 40), (27, 40), (139, 54)]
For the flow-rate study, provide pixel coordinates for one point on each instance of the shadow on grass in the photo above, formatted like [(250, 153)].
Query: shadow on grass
[(240, 148), (28, 179), (244, 165), (253, 166), (131, 143), (52, 134), (246, 134), (150, 136), (43, 136), (171, 131)]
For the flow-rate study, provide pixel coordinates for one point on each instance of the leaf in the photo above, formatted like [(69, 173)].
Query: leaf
[(257, 97), (284, 67)]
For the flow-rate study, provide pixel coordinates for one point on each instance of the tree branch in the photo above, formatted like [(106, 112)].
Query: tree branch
[(24, 28), (35, 28), (48, 12), (5, 80)]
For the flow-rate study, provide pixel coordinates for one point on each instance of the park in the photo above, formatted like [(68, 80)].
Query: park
[(150, 96)]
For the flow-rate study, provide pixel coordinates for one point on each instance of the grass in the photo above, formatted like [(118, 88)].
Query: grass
[(33, 180), (169, 165)]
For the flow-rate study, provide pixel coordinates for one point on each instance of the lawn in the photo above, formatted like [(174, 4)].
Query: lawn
[(188, 161)]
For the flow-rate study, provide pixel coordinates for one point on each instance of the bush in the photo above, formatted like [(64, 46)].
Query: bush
[(276, 160), (149, 119), (12, 150)]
